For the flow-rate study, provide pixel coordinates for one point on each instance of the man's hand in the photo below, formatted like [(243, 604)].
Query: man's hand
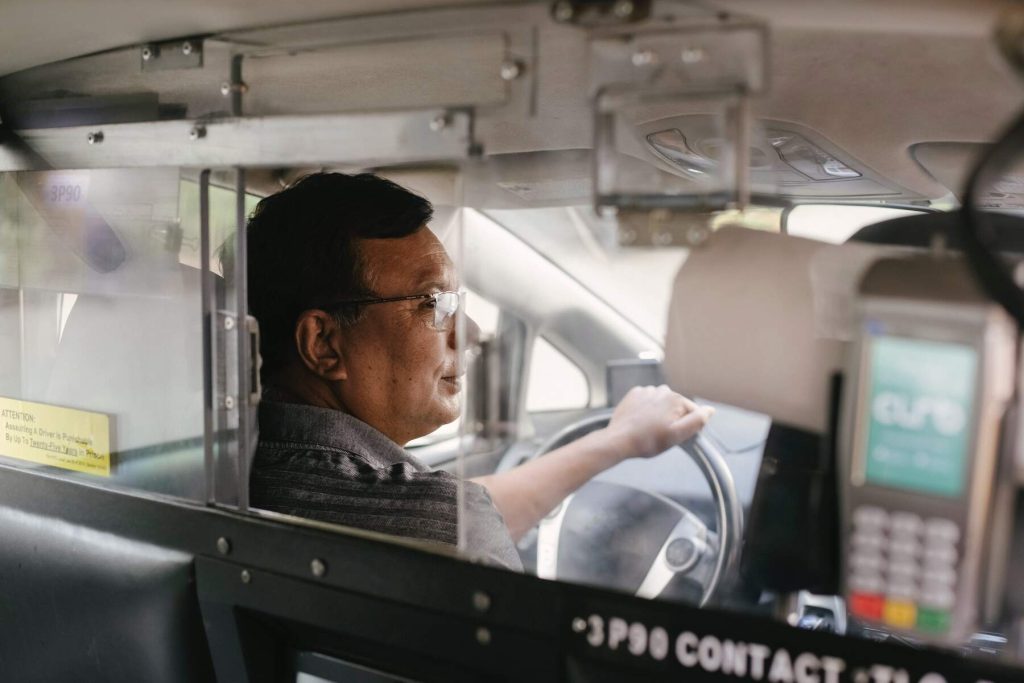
[(646, 422), (649, 420)]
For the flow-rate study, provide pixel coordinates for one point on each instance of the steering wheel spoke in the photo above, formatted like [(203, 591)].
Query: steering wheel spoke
[(686, 550)]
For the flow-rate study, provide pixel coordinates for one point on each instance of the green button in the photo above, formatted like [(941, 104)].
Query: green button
[(932, 620)]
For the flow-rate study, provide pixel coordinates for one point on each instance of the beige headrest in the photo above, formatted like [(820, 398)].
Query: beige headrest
[(742, 328)]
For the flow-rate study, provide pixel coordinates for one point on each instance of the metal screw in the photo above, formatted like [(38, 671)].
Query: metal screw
[(197, 133), (95, 138), (661, 238), (644, 58), (229, 323), (229, 402), (186, 48), (511, 69), (692, 55), (223, 545), (697, 235), (246, 576), (579, 625), (481, 601), (483, 635), (228, 88), (147, 53), (624, 9), (563, 11), (439, 123), (318, 567)]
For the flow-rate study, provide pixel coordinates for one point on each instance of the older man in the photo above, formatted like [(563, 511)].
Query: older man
[(357, 300)]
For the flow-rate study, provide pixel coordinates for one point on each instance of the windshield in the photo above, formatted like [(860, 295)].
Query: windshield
[(636, 280)]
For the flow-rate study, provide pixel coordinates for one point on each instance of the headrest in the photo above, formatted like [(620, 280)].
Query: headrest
[(742, 328)]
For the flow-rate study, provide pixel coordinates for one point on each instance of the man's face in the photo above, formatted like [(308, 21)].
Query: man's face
[(403, 376)]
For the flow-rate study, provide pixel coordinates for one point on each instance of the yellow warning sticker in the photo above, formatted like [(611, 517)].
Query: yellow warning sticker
[(59, 437)]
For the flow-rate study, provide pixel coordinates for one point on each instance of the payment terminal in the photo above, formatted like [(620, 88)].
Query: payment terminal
[(929, 377)]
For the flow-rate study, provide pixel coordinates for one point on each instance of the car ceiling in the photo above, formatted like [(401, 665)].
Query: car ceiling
[(873, 77), (35, 32)]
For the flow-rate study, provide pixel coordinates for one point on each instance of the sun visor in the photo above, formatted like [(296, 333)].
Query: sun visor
[(758, 320)]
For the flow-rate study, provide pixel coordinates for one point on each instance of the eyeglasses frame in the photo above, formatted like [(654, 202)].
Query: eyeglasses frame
[(459, 294)]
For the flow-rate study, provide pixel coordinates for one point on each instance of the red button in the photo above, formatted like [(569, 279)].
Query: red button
[(867, 605)]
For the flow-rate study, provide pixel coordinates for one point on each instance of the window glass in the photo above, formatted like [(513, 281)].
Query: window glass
[(222, 218), (483, 313), (635, 281), (836, 223), (100, 307), (555, 382)]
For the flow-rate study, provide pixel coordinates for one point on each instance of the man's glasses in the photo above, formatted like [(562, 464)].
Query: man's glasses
[(444, 304)]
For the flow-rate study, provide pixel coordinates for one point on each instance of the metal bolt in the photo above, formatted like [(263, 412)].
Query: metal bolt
[(229, 323), (511, 69), (481, 601), (692, 55), (223, 545), (229, 402), (147, 53), (483, 635), (318, 567), (697, 235), (624, 9), (439, 123), (246, 576), (197, 133), (563, 11), (186, 48), (95, 138), (579, 625), (644, 58)]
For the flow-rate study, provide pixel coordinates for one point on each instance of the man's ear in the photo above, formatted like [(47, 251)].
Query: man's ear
[(318, 340)]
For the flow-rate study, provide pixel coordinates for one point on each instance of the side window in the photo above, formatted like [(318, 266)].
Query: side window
[(837, 223), (556, 383), (483, 312)]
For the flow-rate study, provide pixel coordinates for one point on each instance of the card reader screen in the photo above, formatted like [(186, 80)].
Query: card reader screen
[(920, 405)]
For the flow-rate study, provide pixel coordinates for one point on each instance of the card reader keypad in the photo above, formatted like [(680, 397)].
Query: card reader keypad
[(902, 569)]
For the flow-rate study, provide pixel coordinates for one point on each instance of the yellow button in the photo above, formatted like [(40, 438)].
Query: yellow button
[(899, 613)]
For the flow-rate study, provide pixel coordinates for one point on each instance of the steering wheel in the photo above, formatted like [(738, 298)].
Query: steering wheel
[(665, 538)]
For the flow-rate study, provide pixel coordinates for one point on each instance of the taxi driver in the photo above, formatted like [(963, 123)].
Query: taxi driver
[(357, 300)]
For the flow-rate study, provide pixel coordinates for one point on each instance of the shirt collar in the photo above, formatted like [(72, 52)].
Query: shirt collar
[(325, 428)]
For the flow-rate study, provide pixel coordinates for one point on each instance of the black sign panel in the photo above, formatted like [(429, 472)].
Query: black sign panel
[(612, 639)]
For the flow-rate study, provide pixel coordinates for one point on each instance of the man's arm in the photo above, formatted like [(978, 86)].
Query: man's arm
[(646, 422)]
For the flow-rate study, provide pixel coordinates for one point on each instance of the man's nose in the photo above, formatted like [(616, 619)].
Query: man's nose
[(472, 334)]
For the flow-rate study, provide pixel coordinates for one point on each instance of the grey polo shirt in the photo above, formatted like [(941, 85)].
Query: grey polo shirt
[(327, 465)]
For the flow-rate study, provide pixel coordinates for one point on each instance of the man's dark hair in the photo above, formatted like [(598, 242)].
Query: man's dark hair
[(303, 248)]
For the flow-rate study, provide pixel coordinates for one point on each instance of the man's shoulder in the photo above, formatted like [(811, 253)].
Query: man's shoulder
[(341, 487), (318, 460), (303, 428)]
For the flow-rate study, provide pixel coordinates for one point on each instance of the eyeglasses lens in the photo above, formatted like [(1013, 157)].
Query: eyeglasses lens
[(445, 306)]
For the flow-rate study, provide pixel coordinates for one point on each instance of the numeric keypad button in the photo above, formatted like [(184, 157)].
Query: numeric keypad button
[(938, 529)]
